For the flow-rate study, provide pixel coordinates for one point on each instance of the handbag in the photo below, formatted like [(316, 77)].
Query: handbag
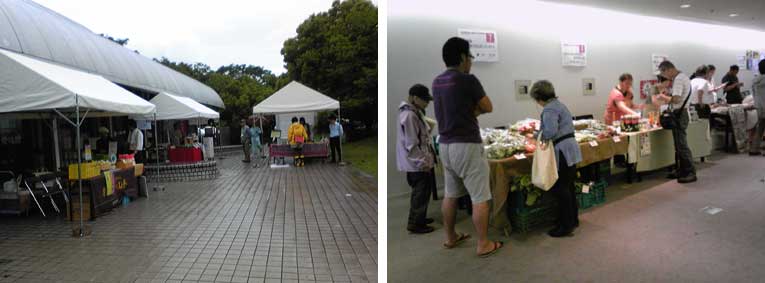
[(299, 139), (668, 118), (544, 169)]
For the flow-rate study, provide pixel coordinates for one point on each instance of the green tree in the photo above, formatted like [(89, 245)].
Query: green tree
[(335, 52)]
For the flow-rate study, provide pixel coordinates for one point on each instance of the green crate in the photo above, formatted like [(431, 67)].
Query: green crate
[(596, 196), (525, 218)]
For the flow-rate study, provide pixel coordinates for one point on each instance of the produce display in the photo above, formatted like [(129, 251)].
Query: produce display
[(520, 138)]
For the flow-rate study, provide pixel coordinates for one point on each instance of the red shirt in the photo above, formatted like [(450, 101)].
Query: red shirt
[(613, 111)]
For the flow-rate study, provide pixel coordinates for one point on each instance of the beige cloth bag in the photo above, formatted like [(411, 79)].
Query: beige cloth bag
[(544, 169)]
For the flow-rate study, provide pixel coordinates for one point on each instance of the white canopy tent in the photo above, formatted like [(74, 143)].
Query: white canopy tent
[(295, 99), (174, 107), (32, 85)]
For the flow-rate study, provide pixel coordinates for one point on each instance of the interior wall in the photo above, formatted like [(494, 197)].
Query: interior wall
[(529, 36)]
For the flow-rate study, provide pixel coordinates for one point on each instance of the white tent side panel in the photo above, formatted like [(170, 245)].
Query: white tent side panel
[(294, 98), (283, 121), (30, 84)]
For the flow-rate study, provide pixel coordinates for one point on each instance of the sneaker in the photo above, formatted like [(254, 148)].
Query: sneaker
[(420, 230), (429, 220), (687, 179), (754, 153), (560, 232)]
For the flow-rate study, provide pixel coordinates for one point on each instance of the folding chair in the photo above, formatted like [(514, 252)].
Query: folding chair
[(31, 181)]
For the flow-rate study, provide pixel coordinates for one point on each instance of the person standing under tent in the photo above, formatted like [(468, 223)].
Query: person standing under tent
[(255, 133), (335, 133), (297, 137), (307, 128), (415, 156), (246, 140), (135, 142), (207, 135)]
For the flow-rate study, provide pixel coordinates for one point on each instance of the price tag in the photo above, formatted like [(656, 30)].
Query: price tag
[(593, 143), (520, 156), (585, 189), (617, 139)]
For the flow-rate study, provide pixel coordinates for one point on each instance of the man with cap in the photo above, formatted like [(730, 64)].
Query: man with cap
[(415, 156)]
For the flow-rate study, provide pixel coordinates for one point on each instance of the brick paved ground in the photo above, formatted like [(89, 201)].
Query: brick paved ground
[(317, 223)]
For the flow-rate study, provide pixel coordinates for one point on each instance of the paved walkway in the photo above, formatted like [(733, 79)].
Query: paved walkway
[(317, 223)]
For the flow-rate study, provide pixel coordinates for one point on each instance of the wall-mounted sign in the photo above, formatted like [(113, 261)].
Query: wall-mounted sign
[(656, 59), (483, 44), (574, 54)]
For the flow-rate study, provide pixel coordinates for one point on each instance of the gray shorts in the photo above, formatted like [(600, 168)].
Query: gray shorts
[(466, 171)]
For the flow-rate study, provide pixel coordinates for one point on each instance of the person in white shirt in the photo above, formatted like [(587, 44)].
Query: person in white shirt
[(681, 89), (135, 140)]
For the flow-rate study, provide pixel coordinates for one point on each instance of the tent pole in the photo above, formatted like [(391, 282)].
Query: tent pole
[(340, 138), (79, 160), (56, 148), (156, 141)]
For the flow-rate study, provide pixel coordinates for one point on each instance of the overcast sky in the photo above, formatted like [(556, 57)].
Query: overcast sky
[(212, 32)]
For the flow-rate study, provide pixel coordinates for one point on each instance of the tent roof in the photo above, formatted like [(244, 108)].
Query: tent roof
[(295, 97), (173, 107), (28, 84), (31, 29)]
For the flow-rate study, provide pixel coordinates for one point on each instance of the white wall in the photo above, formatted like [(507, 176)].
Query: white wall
[(529, 35)]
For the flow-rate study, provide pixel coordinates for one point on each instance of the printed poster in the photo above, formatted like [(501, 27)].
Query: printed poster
[(645, 88), (574, 54), (656, 59), (645, 145), (483, 44)]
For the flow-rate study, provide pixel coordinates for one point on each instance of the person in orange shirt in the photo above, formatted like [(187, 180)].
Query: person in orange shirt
[(297, 136)]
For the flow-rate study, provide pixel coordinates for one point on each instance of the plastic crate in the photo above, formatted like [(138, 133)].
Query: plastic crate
[(596, 196), (525, 218), (87, 170)]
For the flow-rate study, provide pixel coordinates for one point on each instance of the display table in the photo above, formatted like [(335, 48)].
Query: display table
[(97, 195), (654, 149), (184, 154), (503, 170), (309, 150)]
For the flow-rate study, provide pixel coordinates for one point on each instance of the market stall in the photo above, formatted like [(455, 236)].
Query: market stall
[(31, 85), (653, 149), (173, 107), (297, 98), (510, 155)]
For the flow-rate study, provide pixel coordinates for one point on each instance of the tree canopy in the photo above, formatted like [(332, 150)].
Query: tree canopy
[(335, 52)]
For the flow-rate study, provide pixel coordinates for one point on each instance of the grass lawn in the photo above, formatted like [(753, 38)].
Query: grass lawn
[(362, 154)]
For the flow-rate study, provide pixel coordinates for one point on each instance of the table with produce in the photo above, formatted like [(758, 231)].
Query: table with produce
[(510, 153)]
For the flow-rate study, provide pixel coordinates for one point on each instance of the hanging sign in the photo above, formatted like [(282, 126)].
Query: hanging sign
[(656, 59), (574, 54), (483, 44)]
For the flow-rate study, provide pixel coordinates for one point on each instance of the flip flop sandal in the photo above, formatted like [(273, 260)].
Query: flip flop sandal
[(461, 239), (497, 245)]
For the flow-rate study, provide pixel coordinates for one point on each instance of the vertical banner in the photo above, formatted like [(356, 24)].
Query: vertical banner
[(574, 54), (483, 44), (656, 59)]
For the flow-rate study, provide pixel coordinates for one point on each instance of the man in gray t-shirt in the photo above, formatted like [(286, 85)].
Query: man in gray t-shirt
[(458, 99)]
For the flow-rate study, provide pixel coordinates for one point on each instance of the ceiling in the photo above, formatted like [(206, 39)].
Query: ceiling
[(751, 13)]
